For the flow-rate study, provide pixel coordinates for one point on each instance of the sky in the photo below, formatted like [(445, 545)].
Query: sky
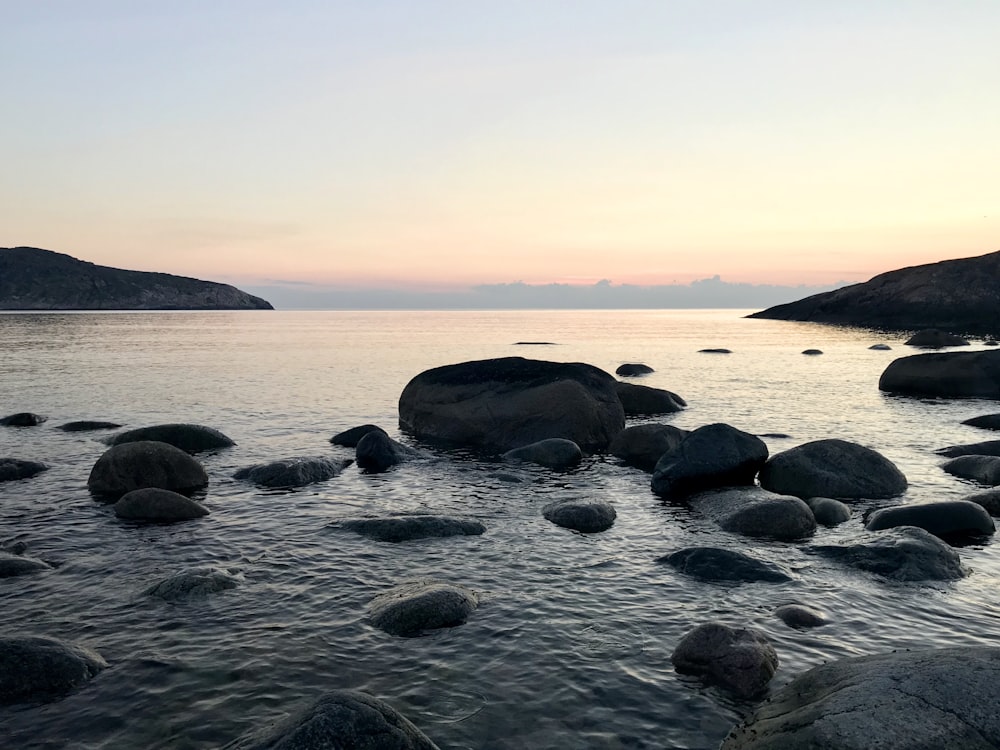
[(443, 146)]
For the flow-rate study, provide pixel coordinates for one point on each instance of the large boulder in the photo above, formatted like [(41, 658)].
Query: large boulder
[(147, 463), (16, 468), (340, 720), (905, 700), (932, 338), (903, 553), (376, 452), (413, 607), (349, 438), (832, 468), (405, 528), (741, 660), (154, 504), (633, 369), (643, 445), (552, 453), (496, 405), (197, 582), (947, 519), (984, 422), (982, 469), (944, 375), (297, 471), (588, 516), (714, 564), (18, 565), (22, 419), (755, 512), (985, 448), (641, 400), (716, 455), (38, 668), (190, 438)]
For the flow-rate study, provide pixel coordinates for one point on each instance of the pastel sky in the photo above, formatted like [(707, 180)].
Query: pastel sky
[(433, 144)]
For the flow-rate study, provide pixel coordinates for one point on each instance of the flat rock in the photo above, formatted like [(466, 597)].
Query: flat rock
[(984, 421), (800, 616), (15, 468), (196, 582), (154, 504), (376, 452), (643, 445), (406, 528), (297, 471), (716, 455), (413, 607), (190, 438), (552, 453), (741, 660), (932, 338), (349, 438), (944, 375), (641, 400), (87, 425), (755, 512), (982, 469), (714, 564), (17, 565), (812, 352), (715, 350), (832, 468), (633, 369), (588, 516), (147, 463), (828, 512), (38, 668), (903, 553), (22, 419), (985, 448), (947, 519)]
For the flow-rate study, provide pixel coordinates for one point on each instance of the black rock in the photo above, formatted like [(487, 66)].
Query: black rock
[(349, 438), (947, 519), (903, 553), (16, 565), (741, 660), (133, 466), (197, 582), (982, 469), (828, 512), (38, 668), (416, 606), (377, 452), (155, 504), (552, 453), (22, 419), (944, 375), (644, 444), (986, 448), (716, 455), (641, 400), (87, 425), (588, 516), (632, 370), (812, 352), (832, 468), (714, 564), (800, 616), (293, 472), (986, 422), (717, 350), (405, 528), (191, 438), (755, 512), (15, 468)]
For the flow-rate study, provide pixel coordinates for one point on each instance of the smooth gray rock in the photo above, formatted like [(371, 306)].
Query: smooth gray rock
[(87, 425), (944, 375), (985, 448), (832, 468), (641, 400), (377, 452), (982, 469), (754, 512), (552, 453), (716, 455), (932, 338), (405, 528), (413, 607), (643, 445), (903, 553), (741, 660), (38, 668), (588, 516), (800, 616), (133, 466), (196, 582), (496, 405), (990, 500), (985, 422), (154, 504), (714, 564), (947, 519), (349, 438), (15, 468), (297, 471), (190, 438), (16, 565), (340, 720), (22, 419), (633, 369), (827, 511), (905, 700)]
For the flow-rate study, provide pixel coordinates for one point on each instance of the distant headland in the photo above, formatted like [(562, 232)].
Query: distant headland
[(960, 296), (35, 279)]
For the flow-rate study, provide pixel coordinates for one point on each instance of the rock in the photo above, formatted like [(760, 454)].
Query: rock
[(411, 608), (986, 422), (991, 342), (190, 438), (754, 512), (716, 455), (154, 504), (588, 516), (880, 347), (15, 468), (800, 616), (147, 463), (713, 564), (944, 375), (87, 425), (405, 528), (903, 553), (640, 400), (715, 351), (349, 438), (812, 352), (927, 699), (990, 500), (987, 448), (495, 405), (196, 582), (832, 468), (642, 445), (16, 565), (38, 668), (741, 660), (633, 370), (377, 452), (22, 419), (293, 472), (340, 720), (932, 338), (827, 511), (948, 519), (552, 453), (982, 469)]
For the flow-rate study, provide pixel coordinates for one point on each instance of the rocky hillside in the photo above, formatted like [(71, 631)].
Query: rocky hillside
[(961, 296), (34, 279)]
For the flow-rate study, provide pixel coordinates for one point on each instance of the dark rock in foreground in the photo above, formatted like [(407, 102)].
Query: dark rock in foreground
[(986, 448), (738, 659), (944, 375), (716, 455), (38, 668), (982, 469), (832, 468), (340, 720), (932, 338), (800, 616), (644, 444), (134, 466), (16, 565), (293, 472), (349, 438), (15, 468), (87, 425), (906, 700), (633, 369), (155, 504), (552, 453), (641, 400), (946, 519), (755, 512), (416, 606), (22, 419), (405, 528), (190, 438), (588, 516), (985, 422), (196, 582), (903, 553), (713, 564), (376, 452)]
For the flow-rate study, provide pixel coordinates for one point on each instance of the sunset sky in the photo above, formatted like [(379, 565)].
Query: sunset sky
[(435, 145)]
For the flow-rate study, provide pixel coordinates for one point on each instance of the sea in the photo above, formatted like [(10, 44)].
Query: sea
[(571, 644)]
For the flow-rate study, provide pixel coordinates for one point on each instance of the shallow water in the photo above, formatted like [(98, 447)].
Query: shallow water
[(571, 644)]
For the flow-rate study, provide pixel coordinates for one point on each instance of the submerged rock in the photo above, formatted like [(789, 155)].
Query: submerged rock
[(643, 445), (416, 606), (87, 425), (944, 375), (154, 504), (832, 468), (17, 565), (641, 400), (946, 519), (932, 338), (716, 350), (293, 472), (15, 468), (880, 347), (716, 455), (376, 452), (588, 516), (755, 512), (985, 448), (195, 583), (982, 469), (22, 419), (552, 453), (903, 553), (800, 616), (190, 438), (741, 660), (631, 370), (349, 438), (38, 668), (828, 512), (405, 528), (985, 422), (714, 564), (134, 466)]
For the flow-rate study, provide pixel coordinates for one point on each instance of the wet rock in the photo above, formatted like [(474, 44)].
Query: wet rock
[(949, 519), (944, 375), (880, 347), (986, 448), (827, 511), (38, 668), (903, 553), (800, 616), (416, 606), (190, 438), (754, 512), (552, 453), (741, 660), (812, 352), (938, 698), (341, 720), (16, 565), (716, 455), (982, 469), (15, 468), (22, 419), (641, 400), (196, 582), (405, 528), (134, 466), (644, 444), (154, 504), (631, 370), (87, 425), (293, 472), (832, 468), (588, 516), (932, 338), (716, 350), (349, 438), (985, 422), (496, 405), (714, 564), (377, 452), (990, 500)]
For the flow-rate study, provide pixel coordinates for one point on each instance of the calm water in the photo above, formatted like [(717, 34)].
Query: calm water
[(571, 645)]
